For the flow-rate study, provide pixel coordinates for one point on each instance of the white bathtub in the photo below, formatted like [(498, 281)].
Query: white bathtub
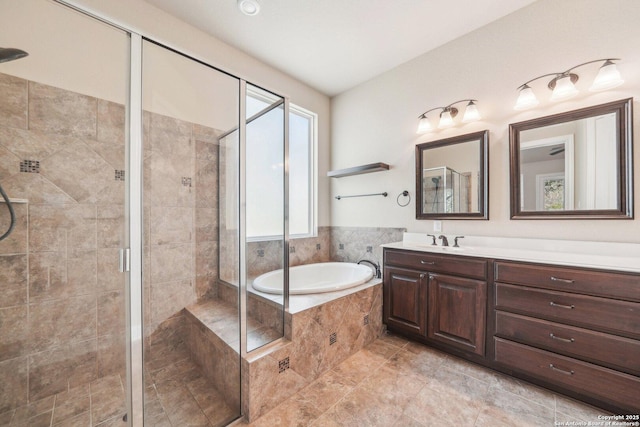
[(315, 278)]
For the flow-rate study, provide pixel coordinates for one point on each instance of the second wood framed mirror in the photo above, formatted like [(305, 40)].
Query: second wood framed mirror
[(573, 165)]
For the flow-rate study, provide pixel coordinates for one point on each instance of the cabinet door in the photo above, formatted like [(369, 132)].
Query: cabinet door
[(457, 312), (405, 300)]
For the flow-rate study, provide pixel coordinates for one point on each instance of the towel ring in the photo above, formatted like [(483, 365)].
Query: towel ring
[(405, 193)]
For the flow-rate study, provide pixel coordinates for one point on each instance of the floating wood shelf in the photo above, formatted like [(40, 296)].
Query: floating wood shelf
[(357, 170)]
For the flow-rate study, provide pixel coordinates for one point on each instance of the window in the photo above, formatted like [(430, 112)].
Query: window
[(264, 211)]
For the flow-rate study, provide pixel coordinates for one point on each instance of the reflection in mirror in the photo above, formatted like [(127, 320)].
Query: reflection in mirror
[(452, 177), (575, 164)]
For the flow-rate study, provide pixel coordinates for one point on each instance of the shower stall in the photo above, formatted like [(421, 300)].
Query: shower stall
[(446, 190), (125, 164)]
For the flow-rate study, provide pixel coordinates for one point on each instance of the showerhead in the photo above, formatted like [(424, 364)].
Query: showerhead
[(435, 180), (10, 54)]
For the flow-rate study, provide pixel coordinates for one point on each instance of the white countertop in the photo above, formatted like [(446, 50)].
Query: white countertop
[(579, 253)]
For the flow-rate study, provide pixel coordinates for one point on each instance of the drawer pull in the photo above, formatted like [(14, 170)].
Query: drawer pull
[(561, 339), (562, 371), (558, 279), (569, 307), (427, 262)]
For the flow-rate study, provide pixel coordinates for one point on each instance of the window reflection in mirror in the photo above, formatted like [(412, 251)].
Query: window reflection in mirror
[(573, 164), (451, 177)]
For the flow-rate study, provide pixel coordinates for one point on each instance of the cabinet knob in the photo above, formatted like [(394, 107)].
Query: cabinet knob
[(427, 262)]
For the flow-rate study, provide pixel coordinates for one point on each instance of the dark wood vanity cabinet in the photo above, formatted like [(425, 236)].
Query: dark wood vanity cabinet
[(438, 299), (457, 312), (572, 329), (405, 295)]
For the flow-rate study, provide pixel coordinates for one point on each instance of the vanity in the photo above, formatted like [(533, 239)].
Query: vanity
[(555, 313), (561, 314)]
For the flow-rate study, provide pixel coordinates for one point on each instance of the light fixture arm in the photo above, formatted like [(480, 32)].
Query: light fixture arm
[(423, 115), (567, 72), (462, 100), (445, 108), (522, 86), (591, 62)]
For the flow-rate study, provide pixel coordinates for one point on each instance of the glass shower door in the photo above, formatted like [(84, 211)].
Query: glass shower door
[(266, 239), (62, 165), (191, 326)]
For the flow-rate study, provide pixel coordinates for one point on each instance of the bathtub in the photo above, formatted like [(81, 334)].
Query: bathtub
[(315, 278)]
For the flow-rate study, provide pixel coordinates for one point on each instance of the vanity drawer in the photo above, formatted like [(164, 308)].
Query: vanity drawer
[(617, 388), (610, 350), (425, 261), (606, 315), (608, 284)]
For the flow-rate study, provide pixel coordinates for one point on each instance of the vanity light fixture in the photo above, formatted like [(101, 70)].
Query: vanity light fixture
[(447, 114), (249, 7), (563, 84)]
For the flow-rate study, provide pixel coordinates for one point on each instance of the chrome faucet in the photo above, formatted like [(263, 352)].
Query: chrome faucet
[(375, 265), (445, 242)]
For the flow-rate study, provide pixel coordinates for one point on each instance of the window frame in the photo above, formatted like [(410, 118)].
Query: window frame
[(311, 167)]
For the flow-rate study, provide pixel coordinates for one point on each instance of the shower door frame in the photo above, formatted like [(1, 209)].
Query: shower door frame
[(131, 259)]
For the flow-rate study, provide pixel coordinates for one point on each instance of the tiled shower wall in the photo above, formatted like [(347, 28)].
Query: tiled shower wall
[(62, 314), (181, 220), (62, 318), (181, 228)]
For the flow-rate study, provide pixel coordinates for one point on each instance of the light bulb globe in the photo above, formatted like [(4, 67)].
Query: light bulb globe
[(424, 125), (446, 120), (471, 113), (608, 77), (564, 89), (526, 99)]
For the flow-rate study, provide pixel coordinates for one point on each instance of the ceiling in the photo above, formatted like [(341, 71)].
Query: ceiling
[(334, 45)]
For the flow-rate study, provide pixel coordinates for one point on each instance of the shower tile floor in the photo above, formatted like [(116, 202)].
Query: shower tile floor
[(101, 402), (394, 382), (176, 395)]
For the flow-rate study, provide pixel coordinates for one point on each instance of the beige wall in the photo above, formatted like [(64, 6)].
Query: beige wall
[(27, 22), (376, 121)]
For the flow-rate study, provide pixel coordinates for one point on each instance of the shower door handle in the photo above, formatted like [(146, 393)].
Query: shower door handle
[(124, 260)]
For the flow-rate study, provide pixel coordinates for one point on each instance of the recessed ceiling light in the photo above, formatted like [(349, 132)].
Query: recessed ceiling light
[(249, 7)]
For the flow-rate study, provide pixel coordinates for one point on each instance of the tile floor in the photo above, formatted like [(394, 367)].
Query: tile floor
[(179, 395), (101, 402), (394, 382)]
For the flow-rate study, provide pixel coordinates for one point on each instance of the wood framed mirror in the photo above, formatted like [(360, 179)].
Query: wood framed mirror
[(573, 165), (452, 178)]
